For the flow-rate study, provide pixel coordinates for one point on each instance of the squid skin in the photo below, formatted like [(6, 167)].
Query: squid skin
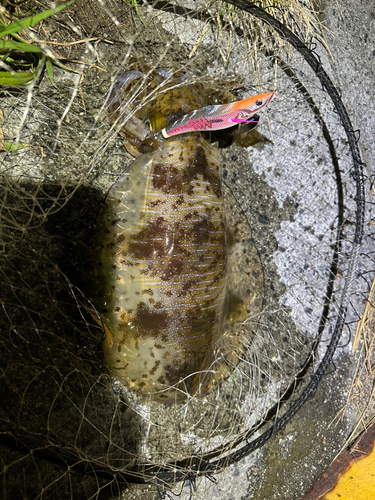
[(164, 270), (219, 117)]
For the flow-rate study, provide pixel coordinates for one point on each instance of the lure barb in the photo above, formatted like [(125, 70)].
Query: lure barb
[(220, 116)]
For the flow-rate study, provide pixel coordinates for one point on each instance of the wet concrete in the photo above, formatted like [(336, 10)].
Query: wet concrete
[(290, 463)]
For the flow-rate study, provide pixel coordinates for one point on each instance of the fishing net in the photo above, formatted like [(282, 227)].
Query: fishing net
[(295, 204)]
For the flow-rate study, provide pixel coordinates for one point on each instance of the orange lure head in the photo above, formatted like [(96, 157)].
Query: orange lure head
[(251, 105)]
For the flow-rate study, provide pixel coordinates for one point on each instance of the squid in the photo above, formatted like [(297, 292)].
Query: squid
[(161, 288)]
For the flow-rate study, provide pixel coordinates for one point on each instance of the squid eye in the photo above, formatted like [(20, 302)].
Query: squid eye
[(259, 102)]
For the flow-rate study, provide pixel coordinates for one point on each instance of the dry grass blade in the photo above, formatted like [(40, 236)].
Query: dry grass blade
[(366, 326)]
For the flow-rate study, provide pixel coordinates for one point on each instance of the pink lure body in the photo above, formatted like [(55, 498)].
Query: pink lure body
[(220, 116)]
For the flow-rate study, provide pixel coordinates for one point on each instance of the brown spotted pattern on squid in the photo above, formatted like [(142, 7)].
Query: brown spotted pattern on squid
[(164, 257)]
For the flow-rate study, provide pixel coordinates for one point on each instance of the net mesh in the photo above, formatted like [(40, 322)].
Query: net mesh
[(69, 431)]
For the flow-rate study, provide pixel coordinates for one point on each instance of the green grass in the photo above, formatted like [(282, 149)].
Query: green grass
[(11, 42), (136, 8)]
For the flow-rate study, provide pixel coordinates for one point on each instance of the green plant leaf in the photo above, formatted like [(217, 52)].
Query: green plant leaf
[(15, 78), (138, 13), (49, 68), (135, 5), (23, 47), (30, 21), (13, 146)]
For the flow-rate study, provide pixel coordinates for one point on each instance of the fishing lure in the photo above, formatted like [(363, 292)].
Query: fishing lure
[(161, 274), (220, 116)]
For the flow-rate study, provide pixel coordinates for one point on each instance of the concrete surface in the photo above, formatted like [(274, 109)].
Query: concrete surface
[(287, 189)]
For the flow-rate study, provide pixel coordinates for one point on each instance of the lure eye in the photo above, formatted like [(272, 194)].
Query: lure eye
[(259, 102)]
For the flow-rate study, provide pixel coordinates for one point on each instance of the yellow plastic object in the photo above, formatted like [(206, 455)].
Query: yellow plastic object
[(357, 483)]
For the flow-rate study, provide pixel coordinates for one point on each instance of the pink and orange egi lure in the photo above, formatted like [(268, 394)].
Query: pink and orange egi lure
[(220, 116)]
